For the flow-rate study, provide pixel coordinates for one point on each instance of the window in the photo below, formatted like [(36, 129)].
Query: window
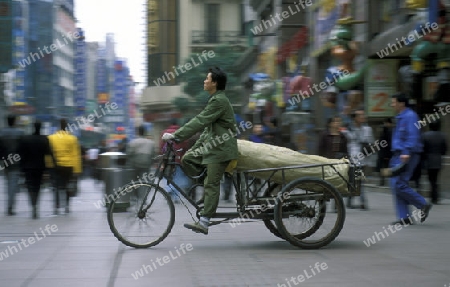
[(212, 23)]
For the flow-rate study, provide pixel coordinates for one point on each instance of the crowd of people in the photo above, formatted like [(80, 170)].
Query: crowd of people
[(57, 155), (403, 144), (60, 157)]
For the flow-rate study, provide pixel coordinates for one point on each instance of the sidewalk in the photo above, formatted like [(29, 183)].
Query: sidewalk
[(83, 251)]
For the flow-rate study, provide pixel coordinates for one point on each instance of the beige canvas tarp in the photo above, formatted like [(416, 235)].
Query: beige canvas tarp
[(257, 156)]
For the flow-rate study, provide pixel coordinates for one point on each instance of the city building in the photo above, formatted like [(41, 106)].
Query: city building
[(175, 29), (80, 93), (91, 70), (40, 88), (63, 56)]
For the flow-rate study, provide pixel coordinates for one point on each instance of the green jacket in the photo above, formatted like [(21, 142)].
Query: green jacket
[(217, 143)]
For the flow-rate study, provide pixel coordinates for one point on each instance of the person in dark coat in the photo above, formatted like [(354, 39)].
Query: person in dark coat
[(33, 149), (385, 154), (434, 147), (9, 140), (333, 143)]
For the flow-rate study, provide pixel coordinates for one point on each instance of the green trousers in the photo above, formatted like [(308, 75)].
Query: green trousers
[(193, 166)]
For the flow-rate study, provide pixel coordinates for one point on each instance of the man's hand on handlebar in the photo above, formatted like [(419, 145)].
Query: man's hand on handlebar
[(167, 137)]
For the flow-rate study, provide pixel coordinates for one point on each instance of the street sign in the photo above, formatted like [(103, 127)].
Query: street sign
[(5, 35)]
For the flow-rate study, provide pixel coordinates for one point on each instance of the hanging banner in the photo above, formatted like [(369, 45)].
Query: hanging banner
[(380, 85), (324, 20)]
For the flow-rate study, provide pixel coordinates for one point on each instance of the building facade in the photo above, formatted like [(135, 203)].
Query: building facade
[(175, 29), (63, 59), (91, 70)]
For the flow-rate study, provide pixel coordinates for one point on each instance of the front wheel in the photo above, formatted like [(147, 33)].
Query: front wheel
[(301, 213), (141, 216)]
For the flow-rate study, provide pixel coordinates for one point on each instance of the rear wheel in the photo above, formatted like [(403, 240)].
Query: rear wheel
[(272, 190), (141, 216), (301, 213)]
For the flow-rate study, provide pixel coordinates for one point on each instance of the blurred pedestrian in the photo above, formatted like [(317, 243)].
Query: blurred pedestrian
[(92, 160), (141, 152), (102, 147), (9, 142), (272, 134), (406, 149), (33, 149), (333, 142), (359, 136), (123, 145), (434, 147), (67, 153), (257, 135), (385, 154), (84, 162)]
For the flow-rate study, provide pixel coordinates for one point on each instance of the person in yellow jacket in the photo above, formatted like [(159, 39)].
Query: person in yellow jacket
[(67, 153)]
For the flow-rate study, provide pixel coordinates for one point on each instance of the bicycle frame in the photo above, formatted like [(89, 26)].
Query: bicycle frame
[(165, 170), (242, 183)]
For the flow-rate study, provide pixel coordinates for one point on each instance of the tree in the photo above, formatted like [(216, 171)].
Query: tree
[(224, 57)]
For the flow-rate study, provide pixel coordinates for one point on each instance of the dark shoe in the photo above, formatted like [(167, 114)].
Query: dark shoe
[(363, 207), (34, 213), (67, 210), (11, 212), (197, 227), (425, 211), (404, 222)]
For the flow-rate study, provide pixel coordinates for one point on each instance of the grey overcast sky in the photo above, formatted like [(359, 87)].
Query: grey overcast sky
[(123, 18)]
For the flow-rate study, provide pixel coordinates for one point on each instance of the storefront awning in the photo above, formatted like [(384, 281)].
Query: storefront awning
[(389, 38)]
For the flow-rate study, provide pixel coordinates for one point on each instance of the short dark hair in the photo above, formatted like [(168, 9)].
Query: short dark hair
[(174, 122), (401, 98), (141, 130), (218, 76), (11, 120), (435, 125), (63, 124), (332, 119)]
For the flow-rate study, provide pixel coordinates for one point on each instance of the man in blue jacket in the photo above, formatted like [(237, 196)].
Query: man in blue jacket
[(406, 148)]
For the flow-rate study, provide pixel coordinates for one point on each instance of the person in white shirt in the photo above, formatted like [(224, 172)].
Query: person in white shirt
[(359, 137), (140, 152)]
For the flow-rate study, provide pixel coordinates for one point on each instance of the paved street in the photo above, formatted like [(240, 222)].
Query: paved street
[(83, 251)]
